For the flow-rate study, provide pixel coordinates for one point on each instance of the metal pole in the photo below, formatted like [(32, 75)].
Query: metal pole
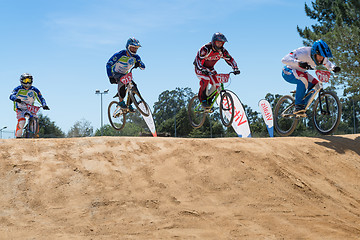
[(175, 122), (1, 130), (354, 115), (101, 113), (101, 107)]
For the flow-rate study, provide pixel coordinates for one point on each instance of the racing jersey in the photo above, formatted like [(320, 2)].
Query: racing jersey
[(303, 54), (26, 95), (121, 62), (207, 57)]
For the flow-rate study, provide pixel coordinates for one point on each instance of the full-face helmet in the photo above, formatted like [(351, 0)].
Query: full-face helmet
[(26, 80), (132, 45), (320, 47), (218, 37)]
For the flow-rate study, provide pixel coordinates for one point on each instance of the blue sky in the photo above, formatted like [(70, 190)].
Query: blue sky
[(66, 44)]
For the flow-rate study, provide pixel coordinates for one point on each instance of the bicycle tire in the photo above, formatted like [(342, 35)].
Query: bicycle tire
[(326, 123), (196, 112), (139, 103), (116, 118), (226, 108), (284, 120), (34, 127)]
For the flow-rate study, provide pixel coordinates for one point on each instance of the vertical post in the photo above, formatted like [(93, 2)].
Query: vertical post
[(101, 107), (175, 122), (354, 115), (1, 130)]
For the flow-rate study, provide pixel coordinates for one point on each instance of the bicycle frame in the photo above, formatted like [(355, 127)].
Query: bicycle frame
[(216, 92)]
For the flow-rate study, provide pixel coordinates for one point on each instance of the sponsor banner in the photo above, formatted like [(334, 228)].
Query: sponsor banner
[(240, 123), (267, 114), (149, 120)]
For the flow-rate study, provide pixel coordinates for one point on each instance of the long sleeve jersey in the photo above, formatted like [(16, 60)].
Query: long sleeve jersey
[(26, 95), (121, 62), (303, 54), (207, 57)]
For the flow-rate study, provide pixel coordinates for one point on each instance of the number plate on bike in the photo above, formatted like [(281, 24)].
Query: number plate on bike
[(126, 79), (322, 75), (222, 77), (32, 109)]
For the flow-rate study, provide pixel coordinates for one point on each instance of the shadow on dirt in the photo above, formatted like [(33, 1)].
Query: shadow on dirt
[(341, 144)]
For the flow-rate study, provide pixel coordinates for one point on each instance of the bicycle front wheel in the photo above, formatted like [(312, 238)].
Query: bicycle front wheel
[(31, 128), (139, 103), (196, 112), (284, 120), (326, 113), (116, 116), (227, 110)]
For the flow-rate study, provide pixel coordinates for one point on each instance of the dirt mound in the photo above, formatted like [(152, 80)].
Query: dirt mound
[(170, 188)]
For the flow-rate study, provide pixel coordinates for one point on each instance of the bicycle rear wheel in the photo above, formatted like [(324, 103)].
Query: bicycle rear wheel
[(196, 112), (116, 116), (139, 103), (227, 110), (326, 113), (284, 120)]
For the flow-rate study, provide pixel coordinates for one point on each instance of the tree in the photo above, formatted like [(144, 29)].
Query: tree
[(171, 105), (81, 128), (48, 129), (339, 25)]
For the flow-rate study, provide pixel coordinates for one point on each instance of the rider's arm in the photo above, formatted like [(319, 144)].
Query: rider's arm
[(202, 53), (39, 96), (112, 61), (290, 60), (138, 59), (229, 59), (329, 65), (14, 93)]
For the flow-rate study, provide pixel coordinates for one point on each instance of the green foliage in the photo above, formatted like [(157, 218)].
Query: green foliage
[(48, 129), (170, 103), (338, 23), (81, 128)]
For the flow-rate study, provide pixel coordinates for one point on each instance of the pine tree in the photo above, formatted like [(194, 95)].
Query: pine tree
[(339, 25)]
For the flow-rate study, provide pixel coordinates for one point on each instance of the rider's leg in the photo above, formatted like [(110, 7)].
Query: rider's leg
[(204, 82), (298, 78), (19, 127), (121, 94), (311, 87)]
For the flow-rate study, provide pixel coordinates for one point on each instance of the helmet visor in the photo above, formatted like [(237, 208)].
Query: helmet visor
[(27, 80)]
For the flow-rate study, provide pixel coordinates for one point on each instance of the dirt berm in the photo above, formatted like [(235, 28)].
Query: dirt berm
[(175, 188)]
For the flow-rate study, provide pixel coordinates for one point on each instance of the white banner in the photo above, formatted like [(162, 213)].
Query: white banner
[(240, 123), (267, 114), (149, 120)]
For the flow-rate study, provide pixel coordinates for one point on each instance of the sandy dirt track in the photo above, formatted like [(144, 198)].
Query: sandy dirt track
[(174, 188)]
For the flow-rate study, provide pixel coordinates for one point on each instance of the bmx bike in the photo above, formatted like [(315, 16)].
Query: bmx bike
[(326, 110), (117, 114), (197, 113), (31, 126)]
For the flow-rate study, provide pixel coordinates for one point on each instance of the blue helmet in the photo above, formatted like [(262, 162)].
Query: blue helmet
[(320, 47), (218, 37), (132, 42)]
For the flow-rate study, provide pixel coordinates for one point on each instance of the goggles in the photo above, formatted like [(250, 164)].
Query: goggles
[(27, 80)]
